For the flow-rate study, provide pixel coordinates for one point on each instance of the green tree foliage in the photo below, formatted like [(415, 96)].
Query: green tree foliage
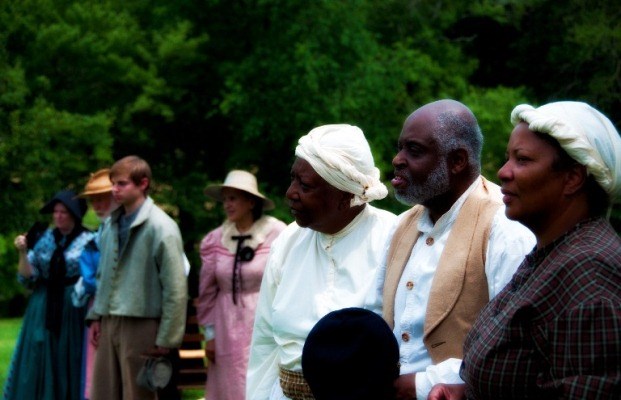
[(492, 108), (575, 50), (200, 87), (303, 70), (42, 150)]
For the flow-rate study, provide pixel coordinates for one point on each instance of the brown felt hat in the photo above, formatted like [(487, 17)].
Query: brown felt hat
[(99, 182)]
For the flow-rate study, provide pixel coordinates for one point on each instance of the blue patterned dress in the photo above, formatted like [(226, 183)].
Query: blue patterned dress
[(45, 364)]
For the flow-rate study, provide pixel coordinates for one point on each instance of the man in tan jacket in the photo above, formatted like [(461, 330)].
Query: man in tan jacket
[(450, 253)]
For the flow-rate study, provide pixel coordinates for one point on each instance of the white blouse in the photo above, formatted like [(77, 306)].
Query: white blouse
[(309, 274)]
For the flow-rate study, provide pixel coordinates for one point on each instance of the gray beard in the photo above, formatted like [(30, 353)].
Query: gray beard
[(437, 183)]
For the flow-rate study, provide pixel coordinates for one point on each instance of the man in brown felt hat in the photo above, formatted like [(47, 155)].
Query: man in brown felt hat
[(98, 191)]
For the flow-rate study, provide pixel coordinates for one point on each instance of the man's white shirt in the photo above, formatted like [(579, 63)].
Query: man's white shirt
[(508, 243)]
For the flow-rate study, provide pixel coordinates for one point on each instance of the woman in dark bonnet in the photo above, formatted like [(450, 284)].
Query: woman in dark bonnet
[(47, 358)]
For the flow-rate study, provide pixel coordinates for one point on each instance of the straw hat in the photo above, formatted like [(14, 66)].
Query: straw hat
[(241, 180), (99, 182)]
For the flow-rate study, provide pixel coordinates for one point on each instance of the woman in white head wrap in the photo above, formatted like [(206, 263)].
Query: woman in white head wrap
[(324, 261), (340, 154), (553, 332), (584, 133)]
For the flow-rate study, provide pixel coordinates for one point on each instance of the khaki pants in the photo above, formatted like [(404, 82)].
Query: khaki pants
[(118, 358)]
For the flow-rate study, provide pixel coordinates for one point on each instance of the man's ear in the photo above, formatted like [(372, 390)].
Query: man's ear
[(144, 184), (575, 179), (457, 161)]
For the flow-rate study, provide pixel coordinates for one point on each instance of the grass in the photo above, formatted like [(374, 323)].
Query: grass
[(192, 394), (9, 330)]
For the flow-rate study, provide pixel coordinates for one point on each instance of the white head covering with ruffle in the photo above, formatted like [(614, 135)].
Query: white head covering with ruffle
[(341, 155), (584, 133)]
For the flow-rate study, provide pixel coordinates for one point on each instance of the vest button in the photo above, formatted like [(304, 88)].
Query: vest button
[(429, 241), (409, 285), (405, 337)]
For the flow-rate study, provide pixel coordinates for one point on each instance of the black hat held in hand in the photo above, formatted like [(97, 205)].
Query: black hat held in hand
[(351, 354)]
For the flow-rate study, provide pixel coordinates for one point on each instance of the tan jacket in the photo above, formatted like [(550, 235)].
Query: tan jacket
[(459, 289)]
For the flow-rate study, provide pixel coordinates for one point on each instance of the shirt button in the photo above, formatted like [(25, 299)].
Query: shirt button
[(429, 241), (405, 337), (409, 285)]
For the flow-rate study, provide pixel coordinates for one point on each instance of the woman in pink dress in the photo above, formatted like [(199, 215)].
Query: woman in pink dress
[(233, 259)]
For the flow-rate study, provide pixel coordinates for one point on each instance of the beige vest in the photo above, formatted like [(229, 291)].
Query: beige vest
[(459, 289)]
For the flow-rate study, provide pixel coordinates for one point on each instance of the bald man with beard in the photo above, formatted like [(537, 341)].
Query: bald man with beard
[(450, 253)]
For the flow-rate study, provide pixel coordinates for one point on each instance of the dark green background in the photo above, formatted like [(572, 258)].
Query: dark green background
[(200, 87)]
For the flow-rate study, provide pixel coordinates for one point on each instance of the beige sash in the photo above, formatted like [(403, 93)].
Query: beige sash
[(459, 287)]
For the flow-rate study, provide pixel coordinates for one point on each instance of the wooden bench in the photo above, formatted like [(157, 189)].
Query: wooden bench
[(192, 370)]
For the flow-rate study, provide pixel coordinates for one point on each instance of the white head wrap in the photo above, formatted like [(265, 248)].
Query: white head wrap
[(584, 133), (341, 155)]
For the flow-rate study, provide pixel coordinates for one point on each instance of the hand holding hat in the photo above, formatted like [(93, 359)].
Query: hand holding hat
[(155, 373)]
